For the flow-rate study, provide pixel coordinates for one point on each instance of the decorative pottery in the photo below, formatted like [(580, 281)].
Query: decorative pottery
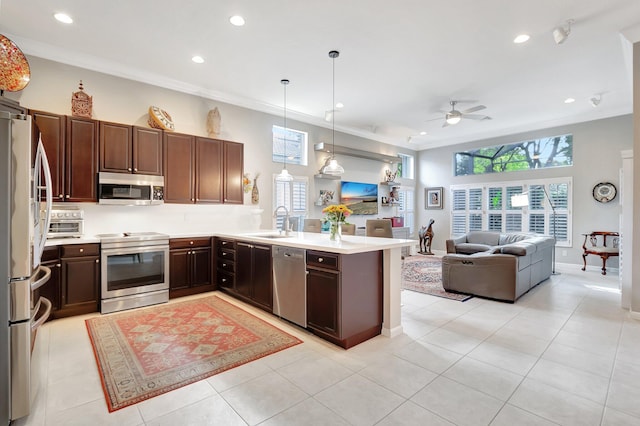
[(81, 103), (160, 119), (213, 123), (14, 67), (255, 194)]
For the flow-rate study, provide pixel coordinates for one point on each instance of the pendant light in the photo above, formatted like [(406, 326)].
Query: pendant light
[(333, 168), (284, 175)]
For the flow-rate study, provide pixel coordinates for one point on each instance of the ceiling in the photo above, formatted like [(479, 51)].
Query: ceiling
[(400, 63)]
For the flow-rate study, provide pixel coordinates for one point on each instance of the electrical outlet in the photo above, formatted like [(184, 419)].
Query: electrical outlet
[(564, 252)]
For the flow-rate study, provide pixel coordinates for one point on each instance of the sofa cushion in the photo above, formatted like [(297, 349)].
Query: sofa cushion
[(471, 248), (488, 238), (519, 249), (512, 238)]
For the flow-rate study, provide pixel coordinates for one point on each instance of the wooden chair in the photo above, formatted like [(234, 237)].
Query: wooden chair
[(378, 228), (312, 225), (348, 229), (598, 245)]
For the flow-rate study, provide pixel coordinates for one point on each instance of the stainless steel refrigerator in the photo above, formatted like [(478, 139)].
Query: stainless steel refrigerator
[(25, 182)]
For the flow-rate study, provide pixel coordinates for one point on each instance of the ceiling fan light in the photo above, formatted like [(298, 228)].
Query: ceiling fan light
[(333, 168), (453, 119)]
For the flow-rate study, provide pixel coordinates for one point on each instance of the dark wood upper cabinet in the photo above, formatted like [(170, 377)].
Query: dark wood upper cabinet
[(208, 178), (233, 170), (178, 168), (52, 132), (115, 148), (147, 151), (81, 158), (130, 149)]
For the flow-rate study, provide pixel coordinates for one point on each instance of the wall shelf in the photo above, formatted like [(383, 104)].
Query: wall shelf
[(325, 147), (323, 176)]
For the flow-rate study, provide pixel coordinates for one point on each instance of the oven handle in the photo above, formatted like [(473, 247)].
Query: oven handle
[(43, 279), (36, 323), (134, 249)]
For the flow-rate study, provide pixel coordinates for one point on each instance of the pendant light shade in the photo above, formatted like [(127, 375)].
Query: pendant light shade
[(284, 175), (333, 168)]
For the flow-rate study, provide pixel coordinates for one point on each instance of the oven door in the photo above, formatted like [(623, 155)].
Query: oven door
[(134, 270)]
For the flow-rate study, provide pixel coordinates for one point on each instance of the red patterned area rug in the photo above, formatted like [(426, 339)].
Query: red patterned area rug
[(423, 274), (150, 351)]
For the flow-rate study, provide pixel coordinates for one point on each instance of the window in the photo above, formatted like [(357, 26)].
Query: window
[(406, 207), (405, 167), (476, 207), (296, 146), (556, 151), (292, 195)]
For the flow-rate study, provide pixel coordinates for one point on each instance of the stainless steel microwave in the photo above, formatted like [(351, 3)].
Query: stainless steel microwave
[(130, 189)]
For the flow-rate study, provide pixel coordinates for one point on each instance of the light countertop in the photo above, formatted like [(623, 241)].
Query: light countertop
[(313, 241)]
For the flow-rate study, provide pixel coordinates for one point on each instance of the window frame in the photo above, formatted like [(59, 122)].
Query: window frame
[(277, 150), (539, 213), (294, 214)]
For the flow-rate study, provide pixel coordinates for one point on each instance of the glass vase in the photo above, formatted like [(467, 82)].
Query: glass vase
[(335, 231)]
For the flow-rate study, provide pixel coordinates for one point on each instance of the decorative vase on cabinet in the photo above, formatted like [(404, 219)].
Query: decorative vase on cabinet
[(255, 195)]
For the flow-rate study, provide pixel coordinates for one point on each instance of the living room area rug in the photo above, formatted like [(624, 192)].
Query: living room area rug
[(423, 274), (146, 352)]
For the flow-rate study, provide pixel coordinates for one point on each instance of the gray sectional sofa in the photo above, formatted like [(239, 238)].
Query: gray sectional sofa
[(501, 266)]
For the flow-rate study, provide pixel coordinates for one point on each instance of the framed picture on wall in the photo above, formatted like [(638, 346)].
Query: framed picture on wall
[(433, 198)]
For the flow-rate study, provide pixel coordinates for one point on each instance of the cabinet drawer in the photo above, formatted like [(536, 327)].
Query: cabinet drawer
[(225, 279), (50, 253), (226, 254), (227, 244), (323, 259), (226, 265), (77, 250), (189, 242)]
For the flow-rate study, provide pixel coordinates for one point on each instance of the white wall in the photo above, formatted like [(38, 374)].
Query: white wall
[(125, 101), (596, 158)]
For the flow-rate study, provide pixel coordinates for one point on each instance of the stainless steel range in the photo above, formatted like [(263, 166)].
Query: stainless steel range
[(134, 270)]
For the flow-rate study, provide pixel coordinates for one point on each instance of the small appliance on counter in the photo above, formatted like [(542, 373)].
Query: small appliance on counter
[(67, 221)]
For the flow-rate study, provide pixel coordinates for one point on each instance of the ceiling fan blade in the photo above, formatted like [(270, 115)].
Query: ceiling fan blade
[(476, 117), (445, 124), (474, 109)]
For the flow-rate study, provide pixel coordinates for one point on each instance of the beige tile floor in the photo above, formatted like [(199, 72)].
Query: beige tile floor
[(565, 353)]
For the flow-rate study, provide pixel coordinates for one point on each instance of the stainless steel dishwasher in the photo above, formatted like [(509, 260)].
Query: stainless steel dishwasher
[(290, 284)]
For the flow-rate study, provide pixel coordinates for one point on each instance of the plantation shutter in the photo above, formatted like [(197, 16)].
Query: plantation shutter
[(292, 195), (459, 212)]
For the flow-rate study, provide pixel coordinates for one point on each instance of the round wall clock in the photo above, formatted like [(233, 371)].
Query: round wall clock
[(160, 119), (604, 192)]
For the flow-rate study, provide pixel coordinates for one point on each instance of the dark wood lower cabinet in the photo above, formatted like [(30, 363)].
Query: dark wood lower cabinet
[(79, 279), (344, 296), (244, 270), (190, 266)]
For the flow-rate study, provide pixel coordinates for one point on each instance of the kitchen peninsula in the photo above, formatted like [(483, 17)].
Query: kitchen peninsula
[(359, 261)]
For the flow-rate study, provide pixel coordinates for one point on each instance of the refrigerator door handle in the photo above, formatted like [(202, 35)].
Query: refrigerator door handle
[(36, 323), (43, 162), (43, 279)]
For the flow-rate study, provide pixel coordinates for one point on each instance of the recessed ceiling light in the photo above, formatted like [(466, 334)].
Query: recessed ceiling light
[(521, 38), (237, 20), (569, 101), (423, 133), (64, 18), (339, 105), (198, 59)]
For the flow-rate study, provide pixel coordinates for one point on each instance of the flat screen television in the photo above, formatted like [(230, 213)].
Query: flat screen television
[(360, 197)]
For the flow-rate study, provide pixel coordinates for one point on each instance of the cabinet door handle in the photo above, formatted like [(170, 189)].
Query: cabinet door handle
[(97, 260), (67, 196), (224, 265), (58, 265), (193, 199), (191, 242), (224, 243), (60, 196), (224, 280), (224, 254), (320, 260), (225, 200), (129, 169), (135, 169), (81, 250)]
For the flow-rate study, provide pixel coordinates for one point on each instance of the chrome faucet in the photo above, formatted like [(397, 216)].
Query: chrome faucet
[(285, 224)]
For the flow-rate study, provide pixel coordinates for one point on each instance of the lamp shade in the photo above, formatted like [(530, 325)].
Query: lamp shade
[(333, 168), (284, 176)]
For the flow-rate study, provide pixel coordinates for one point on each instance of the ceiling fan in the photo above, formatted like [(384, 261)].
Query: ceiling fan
[(454, 116)]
